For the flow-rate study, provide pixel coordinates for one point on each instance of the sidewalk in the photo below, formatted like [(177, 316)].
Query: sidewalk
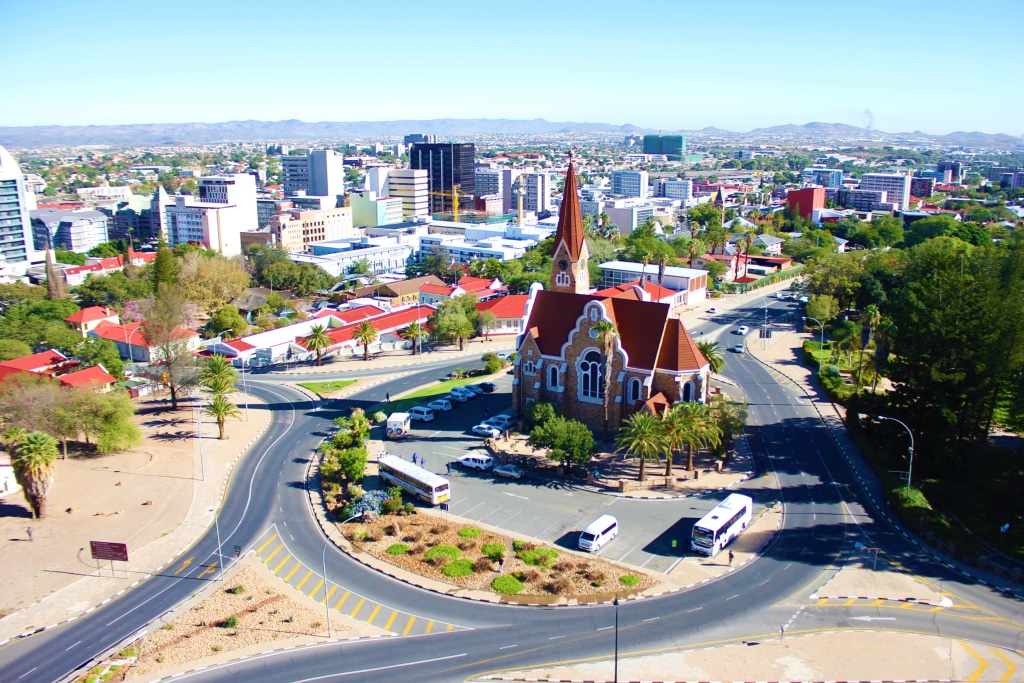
[(168, 465)]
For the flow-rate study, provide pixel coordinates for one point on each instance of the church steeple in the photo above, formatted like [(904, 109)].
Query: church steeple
[(569, 272)]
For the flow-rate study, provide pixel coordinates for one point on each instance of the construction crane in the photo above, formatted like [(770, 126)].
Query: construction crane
[(454, 194)]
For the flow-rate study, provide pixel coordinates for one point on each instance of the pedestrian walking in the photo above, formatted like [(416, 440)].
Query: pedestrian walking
[(387, 396), (423, 462), (29, 530), (415, 458), (448, 468), (730, 558)]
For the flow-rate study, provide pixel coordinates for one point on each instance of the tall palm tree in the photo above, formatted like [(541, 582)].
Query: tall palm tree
[(712, 351), (32, 460), (218, 375), (414, 333), (730, 416), (607, 334), (700, 427), (676, 437), (644, 436), (869, 321), (696, 248), (317, 341), (365, 334), (221, 409)]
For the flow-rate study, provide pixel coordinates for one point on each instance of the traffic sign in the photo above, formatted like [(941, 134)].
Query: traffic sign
[(238, 550), (103, 550)]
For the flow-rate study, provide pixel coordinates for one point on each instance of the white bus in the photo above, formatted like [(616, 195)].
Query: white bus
[(427, 486), (717, 528)]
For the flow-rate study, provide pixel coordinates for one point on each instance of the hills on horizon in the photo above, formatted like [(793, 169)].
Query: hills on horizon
[(170, 134)]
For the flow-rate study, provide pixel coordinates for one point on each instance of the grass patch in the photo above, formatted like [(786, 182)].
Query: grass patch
[(469, 532), (230, 622), (398, 549), (424, 395), (449, 552), (538, 557), (457, 568), (629, 580), (494, 551), (330, 387), (507, 585)]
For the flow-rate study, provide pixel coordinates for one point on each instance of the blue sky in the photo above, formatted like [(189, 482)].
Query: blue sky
[(935, 66)]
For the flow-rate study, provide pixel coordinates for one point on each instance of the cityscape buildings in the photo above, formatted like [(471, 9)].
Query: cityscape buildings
[(450, 168), (17, 246)]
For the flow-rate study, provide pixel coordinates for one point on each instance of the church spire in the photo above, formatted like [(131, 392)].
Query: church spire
[(570, 218)]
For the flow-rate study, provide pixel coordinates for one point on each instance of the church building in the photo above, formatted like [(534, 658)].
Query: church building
[(599, 358)]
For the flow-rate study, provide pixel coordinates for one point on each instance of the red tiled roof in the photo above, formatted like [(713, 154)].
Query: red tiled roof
[(475, 284), (36, 362), (357, 314), (511, 306), (384, 323), (239, 345), (90, 314), (656, 291), (88, 377), (133, 332), (746, 279), (442, 290), (656, 404), (570, 218), (678, 350)]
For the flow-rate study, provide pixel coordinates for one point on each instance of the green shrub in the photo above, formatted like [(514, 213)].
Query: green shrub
[(463, 567), (468, 532), (492, 366), (127, 652), (379, 417), (538, 557), (507, 585), (494, 551), (230, 622), (629, 580), (448, 552), (236, 590), (519, 545), (398, 549), (361, 533), (392, 505)]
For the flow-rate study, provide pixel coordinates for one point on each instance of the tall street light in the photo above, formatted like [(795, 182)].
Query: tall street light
[(821, 346), (616, 678), (910, 469)]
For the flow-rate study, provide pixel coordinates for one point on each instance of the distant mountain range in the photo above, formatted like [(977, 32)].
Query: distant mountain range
[(295, 130)]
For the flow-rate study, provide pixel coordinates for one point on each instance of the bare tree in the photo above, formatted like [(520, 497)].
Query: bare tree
[(165, 329)]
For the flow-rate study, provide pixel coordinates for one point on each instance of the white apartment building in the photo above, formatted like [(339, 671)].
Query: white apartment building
[(215, 226), (238, 190), (674, 188), (536, 189), (104, 194), (78, 231), (630, 183), (17, 247), (895, 185), (326, 173), (410, 185)]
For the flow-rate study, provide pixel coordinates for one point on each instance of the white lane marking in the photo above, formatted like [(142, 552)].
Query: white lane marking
[(507, 647), (434, 434), (555, 637), (515, 495), (695, 609), (27, 672), (652, 619), (68, 648), (466, 512), (605, 628), (379, 668), (733, 597)]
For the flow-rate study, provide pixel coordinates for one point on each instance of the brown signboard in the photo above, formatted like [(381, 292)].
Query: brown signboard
[(102, 550)]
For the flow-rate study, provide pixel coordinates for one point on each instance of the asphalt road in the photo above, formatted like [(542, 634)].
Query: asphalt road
[(824, 522)]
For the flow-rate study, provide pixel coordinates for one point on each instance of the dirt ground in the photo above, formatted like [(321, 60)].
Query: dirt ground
[(133, 498)]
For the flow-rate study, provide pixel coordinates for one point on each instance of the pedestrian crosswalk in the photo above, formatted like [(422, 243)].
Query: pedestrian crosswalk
[(274, 553)]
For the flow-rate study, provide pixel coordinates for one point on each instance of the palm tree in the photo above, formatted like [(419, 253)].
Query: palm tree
[(365, 334), (730, 416), (869, 321), (317, 341), (699, 426), (644, 436), (712, 351), (32, 459), (218, 376), (414, 333), (696, 248), (675, 427), (221, 409), (607, 334)]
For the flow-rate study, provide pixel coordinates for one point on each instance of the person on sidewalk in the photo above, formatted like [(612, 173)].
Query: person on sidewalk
[(415, 458), (730, 558), (387, 396), (29, 531), (448, 469)]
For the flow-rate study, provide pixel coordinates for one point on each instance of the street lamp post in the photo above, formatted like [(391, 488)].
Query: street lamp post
[(821, 346), (910, 468), (616, 660)]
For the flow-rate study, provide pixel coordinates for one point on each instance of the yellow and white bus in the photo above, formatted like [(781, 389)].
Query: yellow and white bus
[(425, 485), (720, 526)]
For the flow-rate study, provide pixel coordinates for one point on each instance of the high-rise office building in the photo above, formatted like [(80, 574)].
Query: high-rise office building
[(449, 166), (17, 251), (409, 185), (78, 231), (629, 183), (536, 189), (295, 173), (674, 188), (897, 187), (326, 173), (487, 182), (674, 146), (418, 138), (829, 178), (238, 190)]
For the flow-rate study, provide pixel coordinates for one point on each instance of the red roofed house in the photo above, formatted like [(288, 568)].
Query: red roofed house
[(133, 344), (89, 318), (651, 291), (562, 352), (508, 313), (76, 275), (49, 362), (95, 377), (387, 326), (484, 288)]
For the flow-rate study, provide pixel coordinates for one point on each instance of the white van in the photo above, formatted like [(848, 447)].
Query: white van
[(476, 461), (598, 533), (398, 425), (421, 413), (462, 393)]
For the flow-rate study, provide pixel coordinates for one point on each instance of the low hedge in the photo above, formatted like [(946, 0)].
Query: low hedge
[(457, 568), (398, 549), (538, 557), (507, 585), (449, 552), (493, 551), (629, 580), (469, 532)]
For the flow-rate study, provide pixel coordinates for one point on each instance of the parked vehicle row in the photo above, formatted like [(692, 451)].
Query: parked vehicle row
[(456, 397), (484, 463)]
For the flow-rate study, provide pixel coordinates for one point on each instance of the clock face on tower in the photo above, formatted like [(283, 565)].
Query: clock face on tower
[(563, 265)]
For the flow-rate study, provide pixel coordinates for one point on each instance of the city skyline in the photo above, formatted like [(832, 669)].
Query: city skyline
[(738, 70)]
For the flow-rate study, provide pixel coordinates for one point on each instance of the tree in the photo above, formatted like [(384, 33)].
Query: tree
[(450, 324), (113, 291), (712, 351), (360, 267), (220, 409), (166, 330), (822, 307), (414, 333), (568, 441), (54, 278), (28, 321), (643, 435), (13, 348), (608, 335), (485, 320), (706, 215), (210, 280), (317, 341), (69, 257), (731, 418), (32, 459), (227, 323), (218, 376), (110, 419), (365, 333), (165, 267), (698, 426)]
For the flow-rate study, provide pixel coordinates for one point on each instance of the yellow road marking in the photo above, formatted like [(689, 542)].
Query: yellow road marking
[(937, 609), (408, 626), (821, 601), (1010, 668), (283, 563), (292, 572), (983, 664), (304, 580), (184, 564), (328, 596), (268, 542), (450, 627), (876, 603), (209, 570), (359, 606), (373, 614), (849, 602), (271, 555), (391, 620), (342, 601), (315, 590), (430, 627)]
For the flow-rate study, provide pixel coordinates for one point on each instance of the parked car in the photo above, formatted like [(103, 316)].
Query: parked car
[(488, 387), (502, 355), (474, 388), (464, 392), (714, 309), (440, 405), (476, 461), (456, 398), (499, 421), (487, 430), (738, 348), (421, 413), (509, 470), (742, 329)]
